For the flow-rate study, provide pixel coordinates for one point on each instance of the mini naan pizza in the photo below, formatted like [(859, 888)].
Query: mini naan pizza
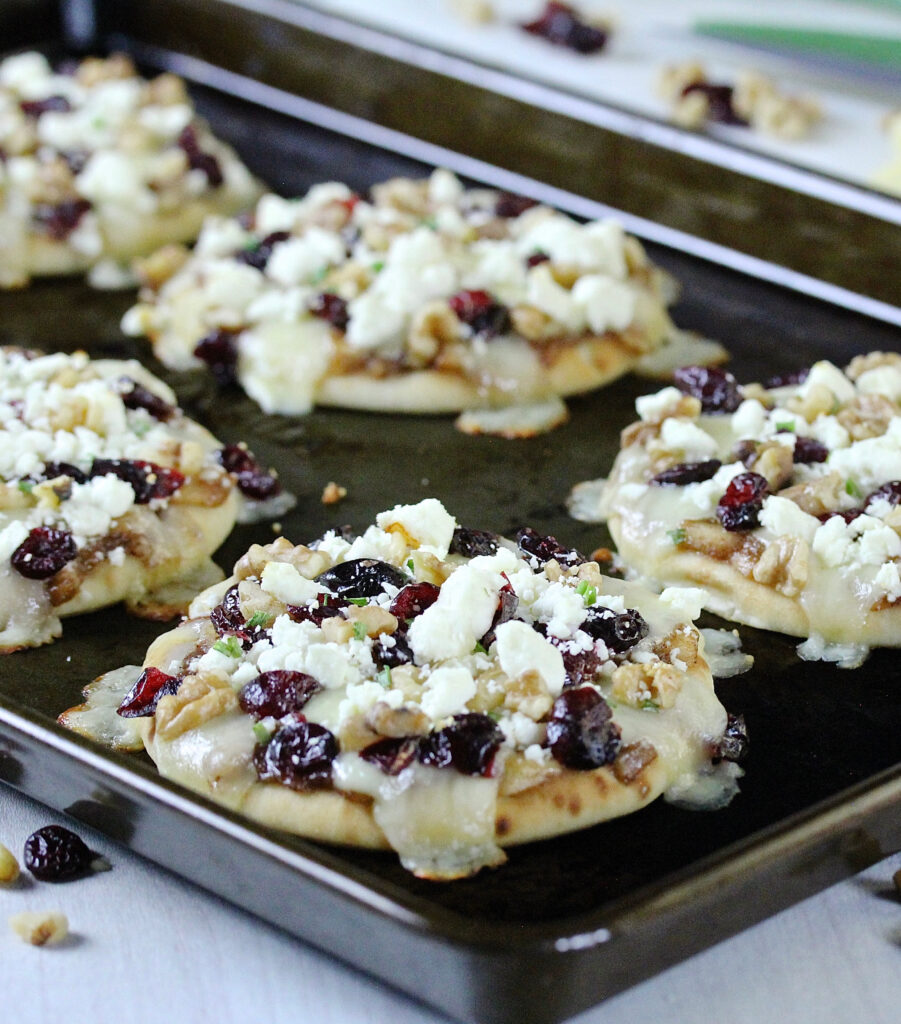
[(780, 501), (424, 298), (428, 688), (108, 492), (100, 166)]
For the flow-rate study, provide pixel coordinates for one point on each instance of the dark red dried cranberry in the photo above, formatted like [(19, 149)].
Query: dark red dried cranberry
[(59, 220), (745, 451), (534, 545), (277, 693), (719, 102), (142, 699), (468, 745), (473, 542), (332, 308), (219, 350), (392, 754), (388, 655), (739, 508), (580, 666), (257, 253), (228, 620), (890, 492), (507, 603), (326, 608), (362, 577), (413, 600), (785, 380), (43, 553), (687, 473), (35, 108), (52, 470), (76, 159), (733, 745), (849, 515), (620, 631), (147, 479), (716, 389), (253, 481), (536, 259), (808, 449), (136, 396), (56, 854), (509, 205), (199, 159), (559, 24), (481, 312), (581, 733), (299, 755)]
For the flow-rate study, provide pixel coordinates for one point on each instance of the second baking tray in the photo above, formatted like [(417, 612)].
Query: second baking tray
[(568, 921)]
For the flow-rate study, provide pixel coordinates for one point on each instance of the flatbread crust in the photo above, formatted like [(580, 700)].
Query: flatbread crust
[(665, 722), (823, 560), (108, 493), (424, 299), (102, 167)]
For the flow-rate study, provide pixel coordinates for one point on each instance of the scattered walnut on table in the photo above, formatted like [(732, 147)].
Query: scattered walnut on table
[(332, 493)]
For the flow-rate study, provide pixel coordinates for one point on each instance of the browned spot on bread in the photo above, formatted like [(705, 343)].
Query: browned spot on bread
[(502, 825), (559, 800), (600, 783), (575, 806)]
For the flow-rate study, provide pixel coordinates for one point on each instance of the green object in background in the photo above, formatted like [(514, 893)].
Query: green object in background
[(879, 51)]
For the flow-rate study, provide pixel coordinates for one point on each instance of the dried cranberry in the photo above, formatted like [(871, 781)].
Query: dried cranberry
[(56, 854), (76, 159), (716, 389), (719, 102), (43, 553), (507, 603), (332, 308), (59, 220), (687, 473), (199, 159), (219, 350), (257, 254), (620, 631), (849, 515), (362, 577), (536, 259), (146, 479), (299, 755), (739, 508), (391, 754), (473, 542), (509, 205), (253, 481), (277, 693), (327, 607), (480, 312), (890, 492), (559, 24), (534, 545), (35, 108), (389, 655), (733, 745), (785, 380), (468, 745), (581, 733), (228, 620), (580, 666), (52, 470), (136, 396), (413, 600), (142, 699), (808, 450)]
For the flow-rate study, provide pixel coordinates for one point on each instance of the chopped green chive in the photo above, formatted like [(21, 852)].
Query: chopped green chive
[(261, 733), (378, 266), (788, 425), (429, 222), (384, 677), (230, 646), (359, 631), (588, 592), (410, 565), (676, 536), (259, 619), (26, 486), (649, 705), (494, 715), (479, 649), (320, 275), (360, 602), (852, 489)]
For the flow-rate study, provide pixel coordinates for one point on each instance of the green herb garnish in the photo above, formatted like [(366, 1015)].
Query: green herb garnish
[(852, 489), (479, 649), (429, 222), (261, 733), (320, 275), (649, 705), (26, 486), (360, 602), (378, 266), (588, 592), (676, 536), (259, 619), (384, 677), (788, 425), (359, 631), (495, 715), (230, 646), (410, 565)]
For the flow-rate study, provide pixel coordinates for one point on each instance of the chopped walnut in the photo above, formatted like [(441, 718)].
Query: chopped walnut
[(53, 182), (818, 401), (529, 695), (632, 760), (403, 194), (691, 110), (675, 78), (681, 645), (397, 722), (373, 619), (652, 681), (711, 539), (871, 361), (332, 493), (200, 698), (308, 562), (94, 70), (532, 323), (773, 461), (155, 270), (428, 568), (521, 773), (784, 565), (825, 494), (41, 927), (758, 100), (166, 90), (433, 326), (867, 416)]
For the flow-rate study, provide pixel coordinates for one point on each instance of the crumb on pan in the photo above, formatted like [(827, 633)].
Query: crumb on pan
[(332, 493)]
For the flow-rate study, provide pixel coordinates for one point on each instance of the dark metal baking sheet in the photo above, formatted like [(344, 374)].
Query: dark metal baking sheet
[(712, 191), (569, 921)]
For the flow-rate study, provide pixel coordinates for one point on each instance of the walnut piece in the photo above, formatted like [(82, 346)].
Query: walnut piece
[(651, 681), (784, 565), (199, 699)]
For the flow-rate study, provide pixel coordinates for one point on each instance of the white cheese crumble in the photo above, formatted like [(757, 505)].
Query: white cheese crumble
[(520, 649)]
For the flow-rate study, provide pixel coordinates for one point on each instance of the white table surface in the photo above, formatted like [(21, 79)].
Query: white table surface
[(147, 947)]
